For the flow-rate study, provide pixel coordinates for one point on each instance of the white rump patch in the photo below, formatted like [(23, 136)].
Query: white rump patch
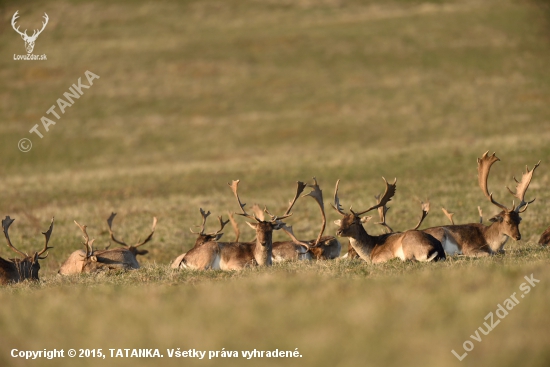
[(400, 254), (450, 247), (216, 263)]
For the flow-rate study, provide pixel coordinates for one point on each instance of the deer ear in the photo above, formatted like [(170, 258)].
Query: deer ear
[(251, 225), (338, 222), (142, 252), (218, 236), (93, 258), (278, 225), (366, 219), (496, 218)]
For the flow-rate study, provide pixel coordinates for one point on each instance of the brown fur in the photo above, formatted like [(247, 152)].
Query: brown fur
[(545, 237), (101, 260), (234, 255), (17, 270), (193, 255), (409, 245), (476, 239), (328, 248)]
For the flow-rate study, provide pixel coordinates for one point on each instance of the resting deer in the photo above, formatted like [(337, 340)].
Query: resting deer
[(202, 238), (476, 239), (320, 248), (239, 255), (409, 245), (382, 211), (81, 261), (17, 270), (132, 248)]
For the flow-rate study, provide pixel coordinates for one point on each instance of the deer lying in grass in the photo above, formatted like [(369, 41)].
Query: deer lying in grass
[(409, 245), (17, 270), (320, 248), (476, 239), (239, 255), (202, 238), (90, 260), (382, 211)]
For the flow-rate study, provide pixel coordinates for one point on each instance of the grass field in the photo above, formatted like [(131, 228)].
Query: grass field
[(194, 94)]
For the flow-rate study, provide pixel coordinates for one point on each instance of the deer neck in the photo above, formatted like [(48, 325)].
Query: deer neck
[(263, 253), (494, 237), (363, 243), (22, 270)]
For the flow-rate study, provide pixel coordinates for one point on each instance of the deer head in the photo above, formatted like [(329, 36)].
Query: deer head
[(352, 222), (260, 224), (509, 218), (28, 266), (29, 40), (264, 228), (91, 263), (132, 248), (207, 237)]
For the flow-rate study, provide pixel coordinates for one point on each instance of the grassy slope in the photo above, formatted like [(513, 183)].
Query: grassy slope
[(194, 94)]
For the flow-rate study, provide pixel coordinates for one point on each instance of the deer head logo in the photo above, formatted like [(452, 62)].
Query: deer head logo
[(29, 40)]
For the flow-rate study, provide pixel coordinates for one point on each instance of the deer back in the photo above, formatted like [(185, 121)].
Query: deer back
[(17, 270), (119, 258)]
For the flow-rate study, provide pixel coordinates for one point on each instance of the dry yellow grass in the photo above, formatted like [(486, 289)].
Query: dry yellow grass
[(194, 94)]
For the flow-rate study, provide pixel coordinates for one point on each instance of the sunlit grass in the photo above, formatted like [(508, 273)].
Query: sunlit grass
[(194, 94)]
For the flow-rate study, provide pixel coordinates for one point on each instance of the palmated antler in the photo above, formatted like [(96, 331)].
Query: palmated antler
[(382, 211), (274, 218), (6, 223), (235, 226), (300, 186), (483, 167), (521, 188), (388, 194), (258, 212), (235, 187), (336, 204), (87, 242), (425, 211), (46, 234), (290, 233), (480, 214), (110, 224), (449, 215), (317, 194)]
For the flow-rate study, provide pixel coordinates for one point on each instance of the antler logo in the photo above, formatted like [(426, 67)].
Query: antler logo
[(29, 40)]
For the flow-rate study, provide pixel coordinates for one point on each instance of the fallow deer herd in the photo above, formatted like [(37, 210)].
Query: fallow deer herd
[(431, 244)]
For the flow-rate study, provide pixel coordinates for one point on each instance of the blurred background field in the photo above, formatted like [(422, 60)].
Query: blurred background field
[(194, 94)]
